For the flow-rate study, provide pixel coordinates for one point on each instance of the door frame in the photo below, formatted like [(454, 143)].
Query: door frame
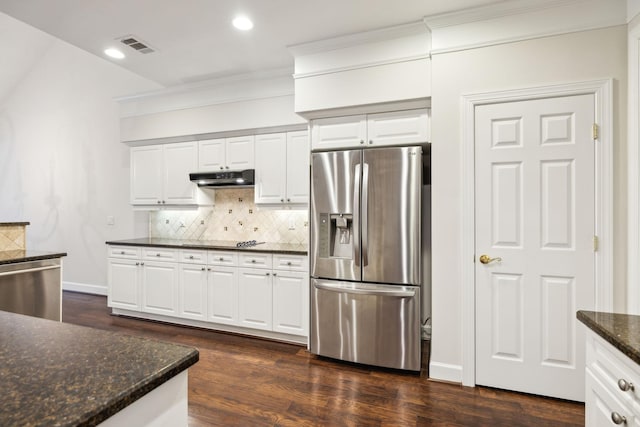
[(602, 91)]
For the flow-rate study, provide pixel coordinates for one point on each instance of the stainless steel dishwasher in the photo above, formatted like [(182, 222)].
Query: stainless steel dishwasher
[(32, 288)]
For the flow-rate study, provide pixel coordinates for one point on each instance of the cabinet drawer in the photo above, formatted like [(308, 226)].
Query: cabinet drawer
[(160, 254), (290, 262), (223, 258), (601, 405), (130, 252), (613, 368), (255, 260), (193, 256)]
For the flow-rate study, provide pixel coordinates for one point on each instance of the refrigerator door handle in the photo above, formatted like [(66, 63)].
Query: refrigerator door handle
[(365, 214), (378, 292), (356, 215)]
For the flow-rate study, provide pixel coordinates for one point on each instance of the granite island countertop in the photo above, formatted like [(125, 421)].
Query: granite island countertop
[(66, 375), (620, 330), (282, 248), (22, 255)]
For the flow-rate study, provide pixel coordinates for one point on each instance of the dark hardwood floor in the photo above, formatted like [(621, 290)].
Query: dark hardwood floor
[(242, 381)]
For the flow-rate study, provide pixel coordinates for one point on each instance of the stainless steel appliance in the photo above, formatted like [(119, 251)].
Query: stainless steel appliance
[(366, 255), (32, 288), (224, 179)]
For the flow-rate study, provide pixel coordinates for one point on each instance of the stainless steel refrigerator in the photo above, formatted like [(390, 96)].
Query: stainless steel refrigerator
[(366, 255)]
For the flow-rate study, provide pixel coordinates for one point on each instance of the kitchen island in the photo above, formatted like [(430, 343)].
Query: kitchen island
[(612, 368), (65, 375)]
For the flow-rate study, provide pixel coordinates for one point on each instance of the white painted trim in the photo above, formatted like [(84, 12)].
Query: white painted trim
[(445, 372), (518, 20), (361, 66), (295, 339), (633, 166), (602, 90), (85, 288), (382, 34)]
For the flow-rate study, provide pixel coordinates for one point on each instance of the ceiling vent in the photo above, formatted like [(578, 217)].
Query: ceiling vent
[(136, 44)]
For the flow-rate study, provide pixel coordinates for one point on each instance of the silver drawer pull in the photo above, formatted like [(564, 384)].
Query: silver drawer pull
[(253, 261), (221, 259), (289, 263), (617, 418), (625, 386), (202, 268), (157, 254), (190, 256), (122, 252)]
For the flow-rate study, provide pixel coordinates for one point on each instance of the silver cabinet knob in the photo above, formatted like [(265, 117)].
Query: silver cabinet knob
[(137, 263), (221, 259), (208, 269), (268, 274), (158, 202), (253, 261), (362, 141), (289, 263), (227, 167), (625, 386), (275, 274), (617, 418), (163, 202), (288, 200), (157, 254), (142, 263), (122, 252), (370, 141), (282, 200), (221, 167), (190, 256), (202, 268)]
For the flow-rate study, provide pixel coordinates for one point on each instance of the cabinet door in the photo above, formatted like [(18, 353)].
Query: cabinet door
[(271, 174), (223, 295), (146, 175), (398, 127), (123, 284), (180, 160), (290, 302), (211, 155), (255, 298), (298, 159), (240, 151), (160, 288), (192, 292), (338, 132)]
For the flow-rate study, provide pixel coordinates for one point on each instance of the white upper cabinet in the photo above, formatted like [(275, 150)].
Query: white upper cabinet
[(226, 154), (160, 174), (391, 128), (282, 168), (338, 132)]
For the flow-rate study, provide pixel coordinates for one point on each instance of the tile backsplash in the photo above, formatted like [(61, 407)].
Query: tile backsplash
[(12, 237), (234, 217)]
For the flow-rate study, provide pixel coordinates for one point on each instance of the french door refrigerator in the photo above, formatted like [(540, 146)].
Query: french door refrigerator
[(365, 255)]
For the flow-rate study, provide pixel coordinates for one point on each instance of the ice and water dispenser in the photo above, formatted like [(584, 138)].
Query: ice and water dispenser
[(335, 235)]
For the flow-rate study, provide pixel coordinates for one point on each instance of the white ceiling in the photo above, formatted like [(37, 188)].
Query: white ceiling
[(194, 39)]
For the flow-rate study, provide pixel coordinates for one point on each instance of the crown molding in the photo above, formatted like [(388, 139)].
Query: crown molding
[(350, 40)]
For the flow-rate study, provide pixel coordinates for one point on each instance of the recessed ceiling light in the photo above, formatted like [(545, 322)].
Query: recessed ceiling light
[(114, 53), (242, 23)]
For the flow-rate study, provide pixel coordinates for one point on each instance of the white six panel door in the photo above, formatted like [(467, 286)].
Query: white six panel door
[(534, 210)]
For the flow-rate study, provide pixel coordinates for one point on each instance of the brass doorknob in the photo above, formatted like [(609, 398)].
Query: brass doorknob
[(486, 259)]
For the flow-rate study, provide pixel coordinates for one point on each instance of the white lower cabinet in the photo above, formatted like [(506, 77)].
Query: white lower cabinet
[(255, 296), (612, 394), (159, 288), (223, 294), (253, 290), (192, 292), (124, 284), (290, 302)]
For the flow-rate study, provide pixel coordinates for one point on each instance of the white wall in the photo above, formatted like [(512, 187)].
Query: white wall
[(62, 166), (589, 55)]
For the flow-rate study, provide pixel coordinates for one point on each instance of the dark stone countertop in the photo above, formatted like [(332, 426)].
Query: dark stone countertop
[(282, 248), (21, 255), (59, 374), (620, 330), (10, 224)]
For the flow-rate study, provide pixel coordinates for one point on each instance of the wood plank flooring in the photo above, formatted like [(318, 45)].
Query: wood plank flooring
[(242, 381)]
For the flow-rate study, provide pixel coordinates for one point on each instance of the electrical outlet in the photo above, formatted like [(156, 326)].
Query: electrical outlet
[(292, 224)]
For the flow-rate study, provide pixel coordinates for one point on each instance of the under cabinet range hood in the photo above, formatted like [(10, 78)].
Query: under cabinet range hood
[(225, 179)]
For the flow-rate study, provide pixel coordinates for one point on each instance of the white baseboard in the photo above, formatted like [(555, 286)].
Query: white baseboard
[(84, 288), (445, 372)]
